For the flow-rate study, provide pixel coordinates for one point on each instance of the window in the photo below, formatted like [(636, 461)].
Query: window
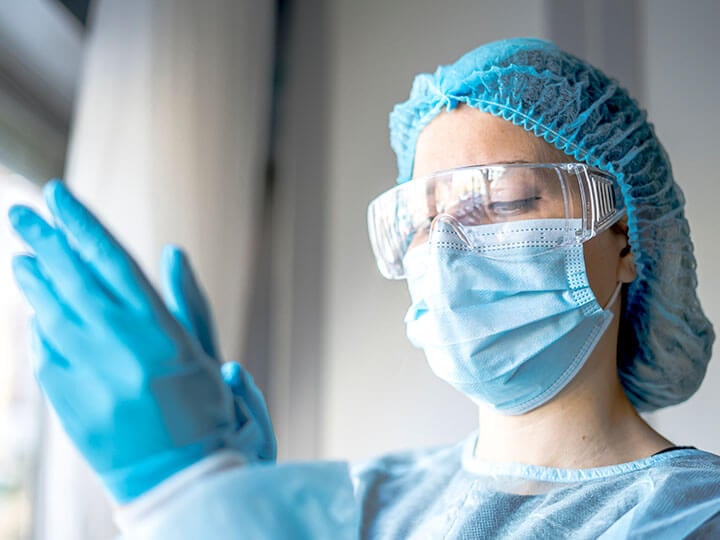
[(20, 403)]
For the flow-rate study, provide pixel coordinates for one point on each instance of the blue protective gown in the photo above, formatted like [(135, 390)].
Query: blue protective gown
[(443, 494)]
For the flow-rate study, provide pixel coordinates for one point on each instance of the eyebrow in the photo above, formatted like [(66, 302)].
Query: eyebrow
[(503, 162)]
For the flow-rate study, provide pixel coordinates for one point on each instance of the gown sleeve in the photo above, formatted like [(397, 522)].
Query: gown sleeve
[(222, 497)]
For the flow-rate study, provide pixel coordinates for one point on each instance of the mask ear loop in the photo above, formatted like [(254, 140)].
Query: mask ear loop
[(615, 295)]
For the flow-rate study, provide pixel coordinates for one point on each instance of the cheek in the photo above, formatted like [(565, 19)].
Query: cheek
[(601, 262)]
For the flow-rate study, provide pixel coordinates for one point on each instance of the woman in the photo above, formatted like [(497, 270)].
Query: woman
[(516, 303), (552, 281)]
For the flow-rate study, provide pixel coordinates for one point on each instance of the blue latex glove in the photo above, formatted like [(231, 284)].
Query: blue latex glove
[(135, 392), (186, 301)]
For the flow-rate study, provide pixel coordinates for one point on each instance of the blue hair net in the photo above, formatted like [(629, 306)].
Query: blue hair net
[(665, 339)]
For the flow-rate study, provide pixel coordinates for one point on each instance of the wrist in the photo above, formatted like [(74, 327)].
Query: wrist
[(126, 484)]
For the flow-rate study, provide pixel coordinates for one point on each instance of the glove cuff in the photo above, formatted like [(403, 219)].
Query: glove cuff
[(128, 483)]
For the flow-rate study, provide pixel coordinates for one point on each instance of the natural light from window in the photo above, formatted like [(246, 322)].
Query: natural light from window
[(19, 397)]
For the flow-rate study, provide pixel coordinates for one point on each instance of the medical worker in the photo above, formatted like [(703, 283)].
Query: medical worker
[(552, 281)]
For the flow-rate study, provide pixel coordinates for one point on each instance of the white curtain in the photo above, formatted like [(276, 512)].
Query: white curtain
[(168, 145)]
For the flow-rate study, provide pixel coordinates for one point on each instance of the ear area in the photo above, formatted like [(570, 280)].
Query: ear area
[(626, 271)]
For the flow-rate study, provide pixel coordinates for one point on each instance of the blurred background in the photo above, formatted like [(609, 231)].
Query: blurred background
[(254, 134)]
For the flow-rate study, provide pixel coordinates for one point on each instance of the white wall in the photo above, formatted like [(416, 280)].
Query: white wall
[(378, 392), (682, 81)]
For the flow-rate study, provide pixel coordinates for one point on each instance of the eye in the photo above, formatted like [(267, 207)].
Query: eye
[(513, 207)]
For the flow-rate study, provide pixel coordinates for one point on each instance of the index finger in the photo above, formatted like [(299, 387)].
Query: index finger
[(113, 266)]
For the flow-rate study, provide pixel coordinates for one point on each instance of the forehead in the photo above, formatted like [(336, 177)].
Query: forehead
[(467, 136)]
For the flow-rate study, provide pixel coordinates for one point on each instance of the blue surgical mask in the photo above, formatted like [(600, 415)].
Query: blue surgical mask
[(502, 324)]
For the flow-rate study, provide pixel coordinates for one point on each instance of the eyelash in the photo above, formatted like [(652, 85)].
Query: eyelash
[(517, 205)]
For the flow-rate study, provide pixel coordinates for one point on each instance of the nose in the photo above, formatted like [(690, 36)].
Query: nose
[(447, 224)]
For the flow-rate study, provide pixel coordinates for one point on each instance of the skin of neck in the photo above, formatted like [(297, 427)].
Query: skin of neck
[(590, 423)]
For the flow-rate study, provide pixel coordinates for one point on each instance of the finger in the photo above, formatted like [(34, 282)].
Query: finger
[(58, 382), (46, 358), (57, 321), (185, 300), (112, 264), (243, 386), (50, 368), (71, 277)]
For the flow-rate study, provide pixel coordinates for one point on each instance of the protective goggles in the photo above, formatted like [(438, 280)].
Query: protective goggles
[(582, 200)]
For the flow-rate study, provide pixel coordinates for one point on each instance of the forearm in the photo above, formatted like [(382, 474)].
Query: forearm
[(221, 497)]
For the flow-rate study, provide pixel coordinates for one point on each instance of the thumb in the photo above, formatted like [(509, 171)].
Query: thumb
[(260, 436), (185, 300)]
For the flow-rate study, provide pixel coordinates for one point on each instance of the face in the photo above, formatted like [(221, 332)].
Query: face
[(467, 136)]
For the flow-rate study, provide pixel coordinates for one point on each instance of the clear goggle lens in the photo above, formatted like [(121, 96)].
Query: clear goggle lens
[(471, 197)]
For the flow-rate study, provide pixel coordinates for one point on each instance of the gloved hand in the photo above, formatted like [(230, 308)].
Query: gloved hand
[(186, 301), (135, 392)]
